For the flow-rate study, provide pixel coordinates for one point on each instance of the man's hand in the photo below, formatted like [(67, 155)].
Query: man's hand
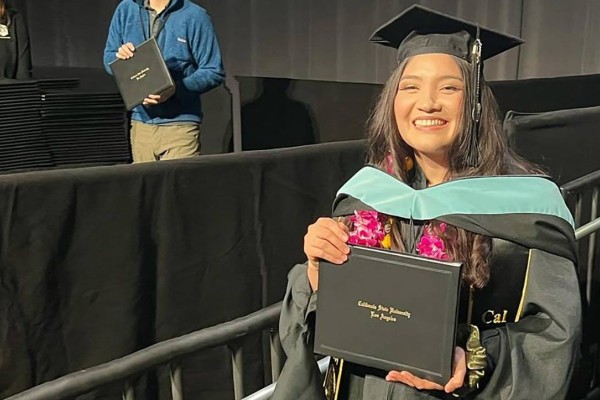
[(126, 51), (153, 100)]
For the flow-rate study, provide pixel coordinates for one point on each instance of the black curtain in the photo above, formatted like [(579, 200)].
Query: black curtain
[(328, 39), (96, 263)]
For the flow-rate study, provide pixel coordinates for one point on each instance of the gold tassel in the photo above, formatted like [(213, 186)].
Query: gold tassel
[(476, 358), (333, 377)]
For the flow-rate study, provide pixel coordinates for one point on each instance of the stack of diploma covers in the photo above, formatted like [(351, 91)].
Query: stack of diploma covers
[(83, 127), (390, 311), (142, 75), (22, 144)]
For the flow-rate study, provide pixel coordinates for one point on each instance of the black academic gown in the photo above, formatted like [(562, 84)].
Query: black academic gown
[(529, 314), (15, 51)]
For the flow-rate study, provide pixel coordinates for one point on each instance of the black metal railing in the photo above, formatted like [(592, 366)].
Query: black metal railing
[(266, 392), (577, 190), (228, 334), (577, 194), (163, 353)]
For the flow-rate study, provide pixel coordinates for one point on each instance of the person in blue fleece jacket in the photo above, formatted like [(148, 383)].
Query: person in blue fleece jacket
[(167, 128)]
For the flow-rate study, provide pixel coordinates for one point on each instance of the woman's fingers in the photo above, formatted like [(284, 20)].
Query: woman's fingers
[(344, 227), (334, 236), (456, 382), (396, 376), (325, 252), (409, 379), (326, 239), (322, 248), (421, 384), (459, 372), (335, 227)]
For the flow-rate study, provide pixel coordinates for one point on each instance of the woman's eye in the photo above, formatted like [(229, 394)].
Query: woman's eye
[(451, 88), (408, 87)]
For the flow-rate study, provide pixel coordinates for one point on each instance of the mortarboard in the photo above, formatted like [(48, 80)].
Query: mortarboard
[(420, 30)]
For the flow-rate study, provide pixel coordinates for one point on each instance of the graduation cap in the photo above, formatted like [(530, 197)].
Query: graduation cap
[(420, 30)]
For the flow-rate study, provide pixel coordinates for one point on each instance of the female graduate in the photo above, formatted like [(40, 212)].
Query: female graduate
[(436, 147), (15, 54)]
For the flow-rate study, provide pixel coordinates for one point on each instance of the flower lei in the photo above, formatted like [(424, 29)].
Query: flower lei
[(370, 228), (431, 245), (373, 229)]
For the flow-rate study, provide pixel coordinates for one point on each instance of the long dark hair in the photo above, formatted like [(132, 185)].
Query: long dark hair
[(4, 12), (495, 158)]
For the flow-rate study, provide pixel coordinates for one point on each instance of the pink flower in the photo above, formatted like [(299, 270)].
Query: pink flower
[(367, 228), (442, 227), (432, 245), (389, 163)]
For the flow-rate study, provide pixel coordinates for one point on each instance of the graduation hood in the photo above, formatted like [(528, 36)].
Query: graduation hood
[(527, 210)]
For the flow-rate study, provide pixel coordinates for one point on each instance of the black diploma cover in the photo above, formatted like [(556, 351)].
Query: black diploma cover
[(390, 311), (143, 74)]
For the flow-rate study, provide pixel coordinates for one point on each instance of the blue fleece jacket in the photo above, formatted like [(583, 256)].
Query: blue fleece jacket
[(189, 46)]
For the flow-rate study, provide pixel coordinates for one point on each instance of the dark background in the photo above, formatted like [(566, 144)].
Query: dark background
[(327, 39), (121, 257), (323, 46)]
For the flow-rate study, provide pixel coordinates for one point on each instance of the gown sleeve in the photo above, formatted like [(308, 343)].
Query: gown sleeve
[(23, 48), (535, 357), (530, 359), (300, 378)]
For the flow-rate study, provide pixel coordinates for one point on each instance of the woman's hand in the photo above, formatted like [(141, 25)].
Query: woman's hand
[(456, 382), (325, 239)]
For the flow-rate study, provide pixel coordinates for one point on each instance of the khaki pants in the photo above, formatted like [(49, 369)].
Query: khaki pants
[(164, 142)]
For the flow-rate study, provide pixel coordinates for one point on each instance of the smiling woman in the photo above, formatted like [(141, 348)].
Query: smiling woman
[(428, 107), (15, 54), (436, 121), (424, 114)]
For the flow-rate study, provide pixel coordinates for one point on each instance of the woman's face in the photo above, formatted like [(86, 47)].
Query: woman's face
[(428, 103)]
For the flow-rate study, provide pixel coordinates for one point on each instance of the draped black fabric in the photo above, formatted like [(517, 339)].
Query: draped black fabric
[(564, 142), (546, 94), (96, 263), (531, 356), (328, 40)]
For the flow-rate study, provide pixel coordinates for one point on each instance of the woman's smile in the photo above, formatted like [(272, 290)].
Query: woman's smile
[(429, 123)]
